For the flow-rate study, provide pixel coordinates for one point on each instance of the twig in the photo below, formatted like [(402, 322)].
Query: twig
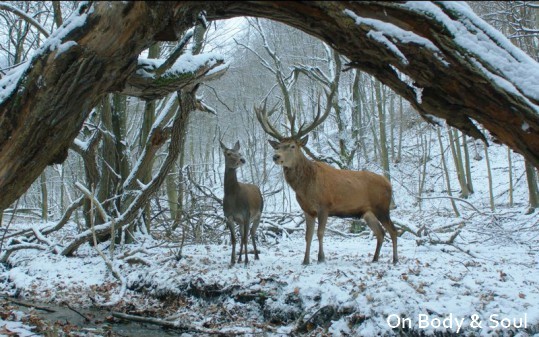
[(67, 215), (8, 224), (108, 262), (458, 199), (86, 318), (29, 305), (178, 325), (451, 241), (150, 320), (208, 194)]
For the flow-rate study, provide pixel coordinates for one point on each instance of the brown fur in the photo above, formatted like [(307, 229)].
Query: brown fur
[(242, 204), (323, 191)]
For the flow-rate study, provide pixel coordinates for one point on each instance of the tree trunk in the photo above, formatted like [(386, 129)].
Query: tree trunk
[(467, 164), (457, 159), (446, 172), (533, 191), (401, 127), (384, 153), (490, 187), (45, 108), (425, 151), (147, 122), (510, 173), (357, 118), (172, 192), (44, 198)]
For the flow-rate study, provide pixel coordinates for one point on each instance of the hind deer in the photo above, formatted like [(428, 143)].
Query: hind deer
[(242, 203), (324, 191)]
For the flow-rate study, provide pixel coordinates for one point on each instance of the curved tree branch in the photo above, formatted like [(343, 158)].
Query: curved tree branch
[(24, 16)]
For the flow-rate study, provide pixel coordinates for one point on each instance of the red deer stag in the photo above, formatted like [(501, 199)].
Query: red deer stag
[(323, 191), (242, 203)]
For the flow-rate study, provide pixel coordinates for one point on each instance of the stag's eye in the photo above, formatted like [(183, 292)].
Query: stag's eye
[(292, 146)]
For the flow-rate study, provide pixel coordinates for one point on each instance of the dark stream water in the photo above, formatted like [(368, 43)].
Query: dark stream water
[(97, 323)]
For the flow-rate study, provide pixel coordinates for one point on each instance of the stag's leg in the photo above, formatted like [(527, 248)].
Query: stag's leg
[(322, 220), (388, 225), (230, 224), (256, 221), (309, 231), (374, 225)]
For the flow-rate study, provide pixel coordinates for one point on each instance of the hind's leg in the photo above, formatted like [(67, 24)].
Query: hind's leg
[(230, 224), (254, 227), (243, 241)]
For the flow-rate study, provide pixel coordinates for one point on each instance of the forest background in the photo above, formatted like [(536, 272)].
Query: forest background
[(449, 189)]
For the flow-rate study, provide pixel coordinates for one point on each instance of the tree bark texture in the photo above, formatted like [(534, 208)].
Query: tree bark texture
[(50, 101)]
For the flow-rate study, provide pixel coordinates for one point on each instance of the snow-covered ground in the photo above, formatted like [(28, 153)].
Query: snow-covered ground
[(490, 271)]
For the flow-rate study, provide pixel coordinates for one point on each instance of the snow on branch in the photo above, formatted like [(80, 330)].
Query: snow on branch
[(384, 33), (484, 44), (55, 41), (7, 7), (188, 70), (13, 247)]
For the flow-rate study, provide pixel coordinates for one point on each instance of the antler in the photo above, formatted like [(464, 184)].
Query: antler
[(318, 119), (263, 118)]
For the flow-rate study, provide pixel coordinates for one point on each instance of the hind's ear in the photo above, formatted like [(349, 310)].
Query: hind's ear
[(237, 146), (274, 144), (223, 146)]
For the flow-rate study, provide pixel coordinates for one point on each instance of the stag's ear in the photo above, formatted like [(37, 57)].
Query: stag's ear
[(304, 141), (274, 144), (223, 146), (237, 146)]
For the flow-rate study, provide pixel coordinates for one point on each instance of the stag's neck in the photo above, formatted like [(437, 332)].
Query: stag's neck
[(300, 176), (231, 181)]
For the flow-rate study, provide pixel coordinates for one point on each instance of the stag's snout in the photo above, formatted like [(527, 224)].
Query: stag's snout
[(276, 158), (242, 161)]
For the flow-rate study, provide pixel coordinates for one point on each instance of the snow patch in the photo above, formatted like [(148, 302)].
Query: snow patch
[(65, 47)]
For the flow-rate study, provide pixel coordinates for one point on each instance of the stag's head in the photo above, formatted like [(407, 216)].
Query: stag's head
[(233, 157), (288, 149)]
